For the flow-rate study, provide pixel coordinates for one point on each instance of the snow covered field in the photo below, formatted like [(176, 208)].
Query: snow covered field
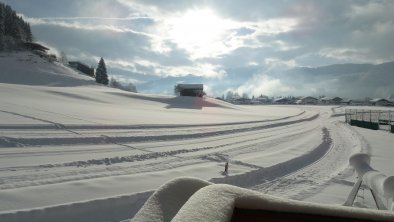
[(71, 150)]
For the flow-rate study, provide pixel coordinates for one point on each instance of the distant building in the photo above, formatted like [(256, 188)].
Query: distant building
[(82, 68), (358, 102), (189, 90), (40, 50), (282, 101), (326, 100), (337, 100), (331, 101), (381, 102), (262, 99), (346, 102), (35, 47), (307, 100)]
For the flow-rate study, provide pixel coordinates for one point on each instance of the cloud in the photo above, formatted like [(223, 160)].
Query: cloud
[(264, 84), (147, 67), (75, 23)]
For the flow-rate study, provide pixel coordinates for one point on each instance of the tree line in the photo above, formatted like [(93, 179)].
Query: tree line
[(13, 29)]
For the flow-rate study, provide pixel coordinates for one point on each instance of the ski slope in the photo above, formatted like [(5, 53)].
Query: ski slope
[(74, 150)]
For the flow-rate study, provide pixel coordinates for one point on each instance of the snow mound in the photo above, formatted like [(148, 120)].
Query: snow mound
[(189, 199), (27, 68), (180, 102)]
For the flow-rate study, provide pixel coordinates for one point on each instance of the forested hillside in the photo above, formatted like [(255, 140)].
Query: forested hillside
[(13, 29)]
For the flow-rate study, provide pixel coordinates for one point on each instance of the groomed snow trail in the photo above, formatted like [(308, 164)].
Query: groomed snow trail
[(291, 156)]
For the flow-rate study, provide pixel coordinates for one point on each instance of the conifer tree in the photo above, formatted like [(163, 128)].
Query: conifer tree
[(2, 27), (2, 17), (101, 73)]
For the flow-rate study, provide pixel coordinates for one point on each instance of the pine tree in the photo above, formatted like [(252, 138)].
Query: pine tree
[(101, 73), (25, 29), (2, 18), (2, 27)]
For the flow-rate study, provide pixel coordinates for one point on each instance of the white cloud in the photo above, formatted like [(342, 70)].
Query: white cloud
[(202, 32), (372, 9), (346, 55), (280, 64), (74, 23), (142, 66)]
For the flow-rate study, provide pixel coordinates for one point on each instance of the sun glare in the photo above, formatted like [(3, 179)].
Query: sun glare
[(199, 32)]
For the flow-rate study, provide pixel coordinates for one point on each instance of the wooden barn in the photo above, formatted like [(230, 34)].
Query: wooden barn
[(196, 90)]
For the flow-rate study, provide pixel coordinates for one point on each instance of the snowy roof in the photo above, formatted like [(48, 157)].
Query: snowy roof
[(35, 46), (378, 100), (190, 86), (308, 97), (326, 98), (191, 199), (280, 99)]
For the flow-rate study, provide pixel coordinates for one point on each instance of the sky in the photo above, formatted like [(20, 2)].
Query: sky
[(238, 45)]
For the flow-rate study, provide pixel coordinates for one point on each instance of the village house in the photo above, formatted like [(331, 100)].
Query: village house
[(331, 101), (40, 50), (358, 102), (381, 102), (282, 101), (307, 100)]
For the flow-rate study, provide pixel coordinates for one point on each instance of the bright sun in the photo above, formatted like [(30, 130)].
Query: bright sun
[(199, 32)]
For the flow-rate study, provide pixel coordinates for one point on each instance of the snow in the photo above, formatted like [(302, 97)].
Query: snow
[(216, 202), (70, 148)]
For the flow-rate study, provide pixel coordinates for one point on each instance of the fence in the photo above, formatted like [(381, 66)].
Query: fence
[(371, 119)]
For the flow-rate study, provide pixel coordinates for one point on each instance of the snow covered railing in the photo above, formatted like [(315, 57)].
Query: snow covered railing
[(370, 119), (380, 185), (192, 199)]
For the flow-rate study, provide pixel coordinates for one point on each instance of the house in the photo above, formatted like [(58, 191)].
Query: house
[(326, 100), (346, 102), (307, 100), (40, 50), (189, 90), (337, 100), (358, 102), (263, 99), (381, 102), (35, 47), (281, 101), (82, 68)]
